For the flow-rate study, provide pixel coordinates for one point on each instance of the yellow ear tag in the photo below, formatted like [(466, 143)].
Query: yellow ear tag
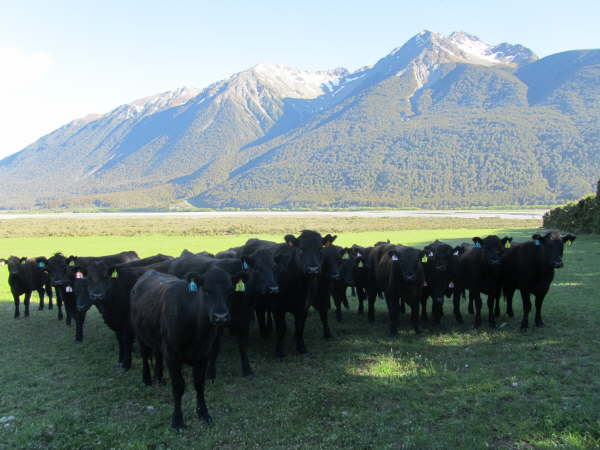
[(72, 263), (568, 243), (507, 245), (346, 256), (361, 264), (240, 286), (424, 259), (114, 274)]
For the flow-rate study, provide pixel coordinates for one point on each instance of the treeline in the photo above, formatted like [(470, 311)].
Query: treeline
[(582, 216)]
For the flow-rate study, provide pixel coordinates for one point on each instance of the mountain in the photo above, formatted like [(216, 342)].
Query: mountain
[(442, 121)]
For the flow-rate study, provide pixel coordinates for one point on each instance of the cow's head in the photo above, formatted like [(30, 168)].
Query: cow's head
[(491, 249), (14, 264), (57, 269), (407, 263), (332, 262), (309, 245), (262, 267), (216, 285), (438, 256), (98, 275), (553, 245)]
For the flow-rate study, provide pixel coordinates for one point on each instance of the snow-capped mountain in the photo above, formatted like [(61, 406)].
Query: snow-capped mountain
[(240, 141)]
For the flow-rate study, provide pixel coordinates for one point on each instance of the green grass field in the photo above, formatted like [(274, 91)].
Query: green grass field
[(452, 387)]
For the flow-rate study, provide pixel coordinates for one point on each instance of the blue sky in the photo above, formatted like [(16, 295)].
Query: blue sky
[(64, 59)]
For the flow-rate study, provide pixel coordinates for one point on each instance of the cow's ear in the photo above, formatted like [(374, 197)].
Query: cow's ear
[(423, 255), (247, 262), (185, 253), (23, 259), (2, 261), (70, 261), (505, 242), (477, 240), (538, 237), (291, 240), (548, 236), (568, 239), (458, 250)]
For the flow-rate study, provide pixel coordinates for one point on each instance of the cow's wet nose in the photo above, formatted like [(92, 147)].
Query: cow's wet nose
[(220, 318), (313, 270), (274, 290)]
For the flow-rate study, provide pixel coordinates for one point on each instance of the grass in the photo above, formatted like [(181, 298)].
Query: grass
[(449, 388)]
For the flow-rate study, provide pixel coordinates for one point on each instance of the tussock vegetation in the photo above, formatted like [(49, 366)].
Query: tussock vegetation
[(187, 226)]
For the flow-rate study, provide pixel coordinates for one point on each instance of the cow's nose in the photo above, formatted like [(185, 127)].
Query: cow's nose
[(220, 318), (273, 289), (313, 270), (96, 296)]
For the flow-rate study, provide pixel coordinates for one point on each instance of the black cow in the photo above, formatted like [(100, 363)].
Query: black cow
[(347, 268), (399, 275), (109, 287), (253, 271), (329, 282), (441, 271), (75, 272), (179, 319), (529, 267), (24, 277), (479, 272), (56, 268), (361, 273)]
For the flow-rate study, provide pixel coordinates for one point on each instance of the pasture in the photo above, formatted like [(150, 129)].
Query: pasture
[(450, 387)]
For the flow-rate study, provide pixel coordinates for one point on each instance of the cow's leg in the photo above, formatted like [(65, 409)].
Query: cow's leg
[(491, 300), (79, 320), (456, 305), (211, 371), (146, 353), (476, 297), (198, 373), (424, 307), (261, 318), (299, 322), (281, 329), (539, 300), (392, 301), (414, 312), (128, 339), (120, 339), (361, 294), (59, 303), (242, 339), (41, 294), (17, 302), (353, 291), (402, 306), (371, 295), (178, 387), (323, 314), (26, 303), (437, 309), (48, 288), (508, 295), (159, 368), (525, 296), (497, 306), (470, 307), (344, 297), (337, 301)]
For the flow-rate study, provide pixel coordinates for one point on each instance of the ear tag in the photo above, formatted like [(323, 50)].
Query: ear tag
[(430, 254), (358, 254), (240, 286), (346, 256), (455, 253), (69, 289), (79, 275), (41, 264), (424, 259), (569, 243), (425, 283), (244, 265), (72, 264), (114, 274), (394, 258), (537, 242), (361, 264), (507, 245), (192, 286), (477, 245), (451, 285)]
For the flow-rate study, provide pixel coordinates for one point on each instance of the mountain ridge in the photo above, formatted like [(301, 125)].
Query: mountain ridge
[(246, 141)]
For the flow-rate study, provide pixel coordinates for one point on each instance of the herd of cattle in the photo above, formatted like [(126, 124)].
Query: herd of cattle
[(176, 307)]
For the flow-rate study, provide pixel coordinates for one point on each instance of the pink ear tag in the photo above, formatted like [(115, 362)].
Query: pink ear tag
[(79, 275)]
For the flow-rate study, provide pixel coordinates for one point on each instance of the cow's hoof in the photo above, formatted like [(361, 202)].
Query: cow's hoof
[(492, 324), (60, 317), (524, 326), (50, 306), (338, 316), (539, 323), (361, 312), (302, 350), (328, 336), (248, 373), (118, 365), (471, 311), (177, 423), (41, 308), (510, 314), (162, 382), (477, 324), (208, 420)]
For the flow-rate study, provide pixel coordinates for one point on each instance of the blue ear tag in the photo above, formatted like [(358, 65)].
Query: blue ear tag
[(537, 241), (192, 286), (41, 264), (244, 265), (477, 245)]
